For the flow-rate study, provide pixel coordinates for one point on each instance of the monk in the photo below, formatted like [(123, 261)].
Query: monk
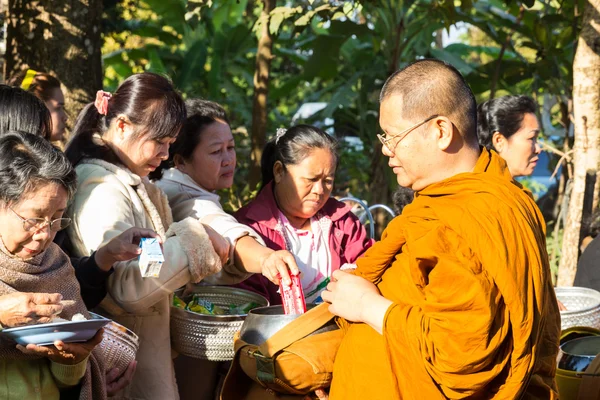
[(456, 300)]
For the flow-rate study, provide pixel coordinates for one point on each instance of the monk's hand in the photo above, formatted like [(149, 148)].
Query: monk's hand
[(220, 244), (320, 394), (19, 308), (278, 265), (64, 353), (348, 294)]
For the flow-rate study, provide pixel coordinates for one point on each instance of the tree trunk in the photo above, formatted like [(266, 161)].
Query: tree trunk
[(61, 37), (264, 54), (586, 107)]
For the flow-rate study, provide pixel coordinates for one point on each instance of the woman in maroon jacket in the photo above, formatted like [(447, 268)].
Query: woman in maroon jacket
[(294, 210)]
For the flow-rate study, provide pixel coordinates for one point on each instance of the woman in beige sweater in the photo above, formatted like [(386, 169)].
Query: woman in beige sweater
[(117, 142)]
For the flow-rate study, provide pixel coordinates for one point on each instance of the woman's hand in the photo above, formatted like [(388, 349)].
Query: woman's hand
[(117, 381), (19, 308), (220, 244), (122, 247), (278, 265), (64, 353)]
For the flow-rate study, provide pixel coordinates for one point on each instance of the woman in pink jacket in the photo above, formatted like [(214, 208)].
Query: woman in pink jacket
[(294, 211)]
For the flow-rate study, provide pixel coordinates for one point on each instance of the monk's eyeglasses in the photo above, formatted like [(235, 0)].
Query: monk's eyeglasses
[(386, 140), (37, 224)]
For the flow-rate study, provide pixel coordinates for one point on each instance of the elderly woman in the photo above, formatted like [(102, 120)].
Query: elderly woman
[(509, 125), (117, 142), (36, 183), (294, 210)]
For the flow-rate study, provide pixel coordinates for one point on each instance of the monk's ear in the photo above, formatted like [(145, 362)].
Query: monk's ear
[(499, 142), (444, 132)]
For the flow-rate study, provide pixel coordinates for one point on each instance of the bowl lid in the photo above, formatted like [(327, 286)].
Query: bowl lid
[(585, 346)]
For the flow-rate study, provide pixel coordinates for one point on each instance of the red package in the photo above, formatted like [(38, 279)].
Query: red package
[(292, 296)]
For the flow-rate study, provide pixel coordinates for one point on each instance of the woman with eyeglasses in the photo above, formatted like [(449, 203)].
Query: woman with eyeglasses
[(36, 183), (294, 210), (509, 126)]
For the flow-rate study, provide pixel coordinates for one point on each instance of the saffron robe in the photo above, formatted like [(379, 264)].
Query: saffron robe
[(474, 313)]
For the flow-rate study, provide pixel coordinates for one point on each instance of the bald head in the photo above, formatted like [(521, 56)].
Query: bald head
[(432, 87)]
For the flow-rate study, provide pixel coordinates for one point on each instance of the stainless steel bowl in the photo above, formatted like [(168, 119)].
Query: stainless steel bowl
[(577, 354), (262, 323)]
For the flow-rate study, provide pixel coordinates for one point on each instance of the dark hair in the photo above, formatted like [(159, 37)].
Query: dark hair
[(293, 146), (503, 115), (429, 87), (148, 100), (200, 114), (41, 85), (27, 161), (22, 111), (401, 198)]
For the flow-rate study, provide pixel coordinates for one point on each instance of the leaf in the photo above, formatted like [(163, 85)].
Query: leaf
[(155, 63), (529, 3), (193, 65)]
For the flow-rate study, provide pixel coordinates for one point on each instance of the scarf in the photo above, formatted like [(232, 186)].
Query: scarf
[(50, 272)]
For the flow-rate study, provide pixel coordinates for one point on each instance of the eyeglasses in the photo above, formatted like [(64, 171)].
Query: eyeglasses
[(38, 224), (385, 140)]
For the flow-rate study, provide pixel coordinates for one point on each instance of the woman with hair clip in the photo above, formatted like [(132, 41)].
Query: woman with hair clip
[(48, 89), (202, 160), (117, 141), (294, 210), (509, 125)]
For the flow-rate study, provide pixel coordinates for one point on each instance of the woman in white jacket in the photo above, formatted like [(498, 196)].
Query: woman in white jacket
[(117, 142)]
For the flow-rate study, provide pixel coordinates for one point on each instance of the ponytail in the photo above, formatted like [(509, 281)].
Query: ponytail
[(267, 162), (86, 141)]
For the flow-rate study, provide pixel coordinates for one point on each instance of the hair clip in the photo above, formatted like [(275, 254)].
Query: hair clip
[(279, 133), (28, 79), (101, 102)]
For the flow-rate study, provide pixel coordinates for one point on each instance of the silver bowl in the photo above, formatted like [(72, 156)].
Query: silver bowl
[(209, 337), (262, 323)]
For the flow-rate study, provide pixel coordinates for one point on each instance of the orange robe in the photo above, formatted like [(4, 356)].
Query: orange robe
[(474, 313)]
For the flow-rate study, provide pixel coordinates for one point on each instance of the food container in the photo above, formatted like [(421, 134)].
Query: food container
[(583, 307), (210, 337), (119, 346), (262, 323), (574, 357)]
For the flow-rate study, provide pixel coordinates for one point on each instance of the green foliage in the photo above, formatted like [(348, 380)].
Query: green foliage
[(338, 53)]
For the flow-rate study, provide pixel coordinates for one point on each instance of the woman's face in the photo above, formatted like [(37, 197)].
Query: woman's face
[(212, 164), (521, 150), (140, 154), (303, 189), (56, 105), (47, 201)]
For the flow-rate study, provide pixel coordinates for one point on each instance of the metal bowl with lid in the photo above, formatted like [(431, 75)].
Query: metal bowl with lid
[(262, 323)]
